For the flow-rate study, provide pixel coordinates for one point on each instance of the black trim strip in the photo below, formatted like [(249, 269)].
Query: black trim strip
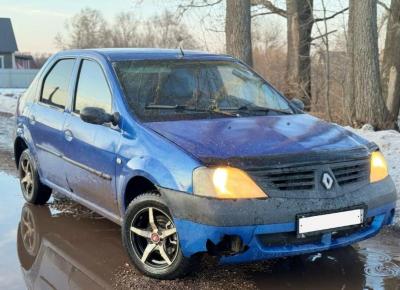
[(87, 168), (49, 150), (78, 164)]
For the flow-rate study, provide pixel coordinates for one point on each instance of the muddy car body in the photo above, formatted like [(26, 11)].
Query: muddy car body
[(194, 152)]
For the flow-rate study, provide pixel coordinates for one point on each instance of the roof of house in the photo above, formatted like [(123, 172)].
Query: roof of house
[(117, 54), (7, 37), (23, 56)]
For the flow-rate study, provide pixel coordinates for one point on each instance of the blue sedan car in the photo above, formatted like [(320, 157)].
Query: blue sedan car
[(195, 153)]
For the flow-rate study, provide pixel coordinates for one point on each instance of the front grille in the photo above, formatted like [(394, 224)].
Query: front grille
[(351, 172), (292, 179), (303, 178)]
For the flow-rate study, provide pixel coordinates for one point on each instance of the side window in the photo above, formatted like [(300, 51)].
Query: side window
[(55, 85), (92, 89)]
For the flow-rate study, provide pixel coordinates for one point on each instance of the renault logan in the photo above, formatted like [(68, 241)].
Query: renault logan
[(194, 153)]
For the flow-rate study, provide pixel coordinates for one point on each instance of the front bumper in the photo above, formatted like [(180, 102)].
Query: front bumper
[(201, 220), (193, 237)]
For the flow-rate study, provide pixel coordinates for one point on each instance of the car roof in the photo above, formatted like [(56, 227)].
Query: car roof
[(120, 54)]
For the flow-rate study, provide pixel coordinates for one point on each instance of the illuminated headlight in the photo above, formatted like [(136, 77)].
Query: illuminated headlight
[(379, 169), (225, 183)]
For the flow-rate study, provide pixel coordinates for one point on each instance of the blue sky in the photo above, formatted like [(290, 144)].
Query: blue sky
[(37, 22)]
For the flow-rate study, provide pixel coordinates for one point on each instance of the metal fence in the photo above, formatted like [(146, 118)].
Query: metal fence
[(16, 78)]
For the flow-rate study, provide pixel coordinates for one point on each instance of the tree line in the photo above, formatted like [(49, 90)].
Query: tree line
[(372, 92), (371, 86), (89, 29)]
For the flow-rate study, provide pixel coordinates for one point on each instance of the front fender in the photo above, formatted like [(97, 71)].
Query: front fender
[(157, 171), (145, 153)]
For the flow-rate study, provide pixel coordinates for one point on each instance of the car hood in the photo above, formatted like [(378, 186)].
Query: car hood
[(250, 137)]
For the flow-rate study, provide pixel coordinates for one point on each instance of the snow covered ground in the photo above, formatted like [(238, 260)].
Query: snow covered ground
[(388, 141), (8, 99)]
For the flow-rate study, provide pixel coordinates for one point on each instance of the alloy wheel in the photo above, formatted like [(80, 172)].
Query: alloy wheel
[(26, 176), (154, 238)]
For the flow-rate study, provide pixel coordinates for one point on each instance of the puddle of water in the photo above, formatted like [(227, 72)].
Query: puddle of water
[(44, 249), (10, 210), (354, 267), (49, 249), (65, 252), (372, 264)]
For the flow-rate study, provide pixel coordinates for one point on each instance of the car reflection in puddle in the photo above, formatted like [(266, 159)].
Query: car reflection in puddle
[(347, 268), (63, 252)]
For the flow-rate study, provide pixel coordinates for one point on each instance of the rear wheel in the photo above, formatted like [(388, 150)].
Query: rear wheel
[(151, 240), (32, 189)]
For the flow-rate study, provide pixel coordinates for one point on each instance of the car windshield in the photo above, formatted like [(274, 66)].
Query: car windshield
[(172, 90)]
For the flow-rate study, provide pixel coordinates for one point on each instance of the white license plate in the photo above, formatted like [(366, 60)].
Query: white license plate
[(330, 221)]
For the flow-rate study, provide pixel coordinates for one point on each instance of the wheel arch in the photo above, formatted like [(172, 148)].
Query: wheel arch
[(143, 174), (136, 186), (20, 145)]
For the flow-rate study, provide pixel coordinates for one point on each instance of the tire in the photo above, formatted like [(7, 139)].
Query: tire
[(155, 264), (33, 190)]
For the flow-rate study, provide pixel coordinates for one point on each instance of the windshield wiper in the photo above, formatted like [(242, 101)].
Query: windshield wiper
[(256, 109), (167, 107), (186, 108)]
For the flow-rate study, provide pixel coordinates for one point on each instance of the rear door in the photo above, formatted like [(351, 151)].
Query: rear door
[(91, 149), (47, 117)]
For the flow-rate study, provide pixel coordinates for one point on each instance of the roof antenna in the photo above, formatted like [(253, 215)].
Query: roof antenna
[(180, 41)]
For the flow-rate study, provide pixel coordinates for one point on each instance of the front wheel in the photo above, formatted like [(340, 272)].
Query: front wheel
[(151, 240)]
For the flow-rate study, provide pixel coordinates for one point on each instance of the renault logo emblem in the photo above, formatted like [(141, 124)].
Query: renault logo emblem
[(327, 180)]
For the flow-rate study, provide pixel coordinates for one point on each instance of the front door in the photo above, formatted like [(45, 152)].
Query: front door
[(91, 149)]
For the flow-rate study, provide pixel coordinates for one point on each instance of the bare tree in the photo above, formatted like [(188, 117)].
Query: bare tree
[(87, 29), (365, 103), (165, 31), (238, 30), (326, 59), (299, 28), (237, 25), (391, 62), (269, 53), (300, 21), (125, 30)]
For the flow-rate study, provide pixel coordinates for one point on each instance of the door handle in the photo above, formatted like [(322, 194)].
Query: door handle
[(68, 135), (32, 119)]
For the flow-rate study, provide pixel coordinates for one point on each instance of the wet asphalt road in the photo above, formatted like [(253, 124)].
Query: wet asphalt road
[(65, 246)]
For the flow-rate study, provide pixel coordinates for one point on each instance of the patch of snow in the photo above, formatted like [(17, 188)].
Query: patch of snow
[(11, 91), (389, 143), (8, 99), (367, 127)]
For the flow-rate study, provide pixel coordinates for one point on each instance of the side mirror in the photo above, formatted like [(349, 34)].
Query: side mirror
[(297, 103), (98, 116)]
